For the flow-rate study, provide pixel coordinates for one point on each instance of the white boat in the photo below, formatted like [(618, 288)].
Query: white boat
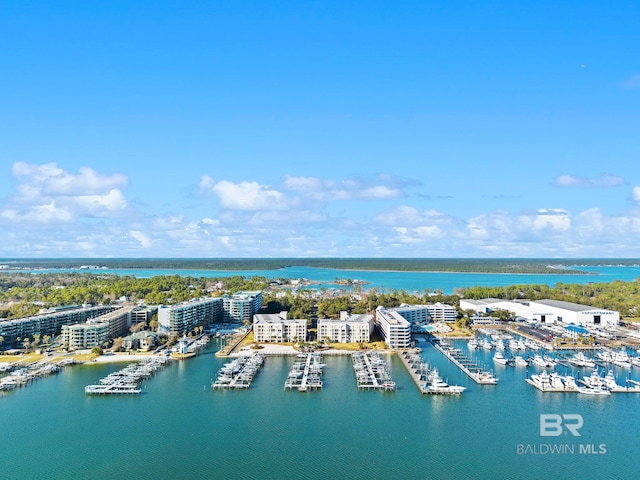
[(581, 360), (520, 361), (610, 381), (539, 361), (593, 391), (436, 385), (498, 357), (486, 344), (473, 344)]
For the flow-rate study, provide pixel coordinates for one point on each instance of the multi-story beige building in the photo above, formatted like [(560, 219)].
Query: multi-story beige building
[(85, 335), (273, 327), (347, 329)]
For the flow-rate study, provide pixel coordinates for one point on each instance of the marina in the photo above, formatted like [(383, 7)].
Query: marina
[(306, 373), (239, 373), (371, 371), (478, 375), (426, 378), (21, 376), (127, 380)]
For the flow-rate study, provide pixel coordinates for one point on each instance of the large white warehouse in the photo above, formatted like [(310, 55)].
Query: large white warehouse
[(547, 311)]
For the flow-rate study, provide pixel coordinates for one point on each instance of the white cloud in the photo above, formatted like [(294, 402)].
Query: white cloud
[(549, 219), (603, 180), (405, 215), (246, 195), (347, 189), (49, 179), (635, 194), (47, 193), (145, 241), (46, 213), (631, 82)]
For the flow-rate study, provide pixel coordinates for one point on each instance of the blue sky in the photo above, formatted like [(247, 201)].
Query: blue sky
[(348, 129)]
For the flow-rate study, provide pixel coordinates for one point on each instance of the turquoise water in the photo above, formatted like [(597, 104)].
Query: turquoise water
[(389, 281), (180, 428)]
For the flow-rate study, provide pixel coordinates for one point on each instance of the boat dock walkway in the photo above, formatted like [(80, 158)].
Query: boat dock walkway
[(371, 372), (478, 375), (238, 373), (22, 376), (416, 367), (127, 380), (306, 373)]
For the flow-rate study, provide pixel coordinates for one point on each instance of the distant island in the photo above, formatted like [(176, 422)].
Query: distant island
[(462, 265)]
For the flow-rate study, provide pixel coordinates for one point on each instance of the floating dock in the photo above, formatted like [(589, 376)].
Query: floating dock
[(426, 378), (306, 373), (478, 375), (127, 380), (238, 373), (371, 372), (22, 376)]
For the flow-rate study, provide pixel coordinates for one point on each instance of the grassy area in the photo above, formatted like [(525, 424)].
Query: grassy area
[(83, 357), (359, 346), (29, 358)]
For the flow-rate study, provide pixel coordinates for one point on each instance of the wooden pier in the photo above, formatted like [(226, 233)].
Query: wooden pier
[(415, 366)]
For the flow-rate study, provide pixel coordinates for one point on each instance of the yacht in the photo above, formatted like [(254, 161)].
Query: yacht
[(498, 357), (436, 385), (540, 361), (473, 344), (581, 360), (593, 391), (520, 361)]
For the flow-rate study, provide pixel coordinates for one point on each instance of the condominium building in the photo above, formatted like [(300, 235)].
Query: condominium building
[(347, 329), (437, 312), (241, 306), (85, 335), (179, 319), (274, 327), (49, 322), (143, 314), (394, 328)]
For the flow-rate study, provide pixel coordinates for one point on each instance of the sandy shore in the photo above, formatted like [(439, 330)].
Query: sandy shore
[(122, 357)]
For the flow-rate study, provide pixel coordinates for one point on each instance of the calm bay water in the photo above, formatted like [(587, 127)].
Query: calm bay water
[(180, 428), (388, 281)]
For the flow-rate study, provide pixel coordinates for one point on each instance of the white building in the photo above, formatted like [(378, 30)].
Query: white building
[(394, 328), (241, 306), (547, 311), (272, 327), (181, 318), (85, 335), (348, 329)]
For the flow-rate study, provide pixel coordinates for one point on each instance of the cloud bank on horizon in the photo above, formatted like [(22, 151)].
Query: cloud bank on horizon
[(250, 129), (54, 212)]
